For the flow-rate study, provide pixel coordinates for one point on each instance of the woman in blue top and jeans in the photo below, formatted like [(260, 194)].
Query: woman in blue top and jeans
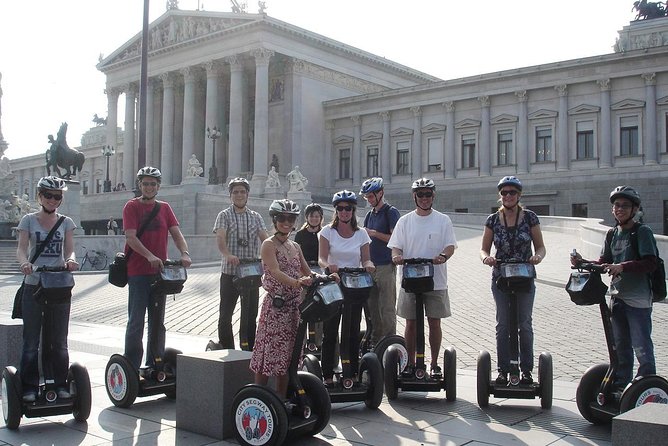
[(512, 229)]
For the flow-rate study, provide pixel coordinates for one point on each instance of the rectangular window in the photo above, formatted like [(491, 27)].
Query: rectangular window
[(434, 153), (628, 133), (504, 147), (543, 144), (344, 163), (98, 186), (579, 210), (84, 187), (402, 161), (462, 210), (468, 151), (372, 161), (584, 140)]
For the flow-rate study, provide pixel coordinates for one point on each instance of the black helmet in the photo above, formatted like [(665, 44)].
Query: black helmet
[(423, 183), (313, 207), (372, 185), (52, 183), (238, 181), (625, 192), (509, 181), (344, 195), (284, 206), (149, 171)]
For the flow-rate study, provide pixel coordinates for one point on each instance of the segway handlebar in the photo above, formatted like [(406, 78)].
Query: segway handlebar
[(172, 263), (252, 260), (589, 266), (56, 269), (416, 261), (351, 270)]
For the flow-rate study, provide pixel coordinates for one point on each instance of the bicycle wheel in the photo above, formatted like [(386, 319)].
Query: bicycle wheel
[(99, 262)]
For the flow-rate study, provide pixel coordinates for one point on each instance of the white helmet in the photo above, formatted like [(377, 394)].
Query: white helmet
[(52, 183), (149, 171), (423, 183), (283, 207)]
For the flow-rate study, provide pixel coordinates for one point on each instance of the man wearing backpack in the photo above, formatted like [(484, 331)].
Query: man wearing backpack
[(630, 255)]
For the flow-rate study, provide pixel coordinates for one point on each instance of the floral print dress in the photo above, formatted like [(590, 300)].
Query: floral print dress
[(277, 328)]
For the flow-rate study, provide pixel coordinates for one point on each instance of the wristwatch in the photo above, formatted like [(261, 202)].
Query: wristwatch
[(186, 253), (445, 257)]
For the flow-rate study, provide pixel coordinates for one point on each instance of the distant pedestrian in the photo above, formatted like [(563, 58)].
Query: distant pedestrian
[(112, 226)]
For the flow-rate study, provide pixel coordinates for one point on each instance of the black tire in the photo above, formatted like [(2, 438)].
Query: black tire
[(260, 400), (83, 401), (587, 391), (450, 373), (545, 380), (12, 410), (320, 402), (121, 381), (169, 358), (648, 389), (99, 262), (371, 375), (311, 364), (391, 366), (384, 343), (484, 378), (211, 346)]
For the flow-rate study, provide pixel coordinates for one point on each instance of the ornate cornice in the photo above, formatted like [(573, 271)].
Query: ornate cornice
[(604, 84), (562, 90), (649, 78), (317, 72)]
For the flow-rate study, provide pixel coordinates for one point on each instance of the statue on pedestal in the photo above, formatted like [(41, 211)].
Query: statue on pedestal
[(273, 182), (60, 154), (194, 167), (298, 182)]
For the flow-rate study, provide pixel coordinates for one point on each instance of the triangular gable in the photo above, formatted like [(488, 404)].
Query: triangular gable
[(626, 104), (433, 127), (662, 101), (467, 123), (584, 108), (372, 136), (543, 114), (344, 139), (402, 131), (503, 119)]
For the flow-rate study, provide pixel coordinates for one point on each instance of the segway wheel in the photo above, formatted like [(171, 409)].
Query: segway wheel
[(12, 410), (319, 397), (450, 373), (311, 364), (484, 375), (121, 381), (211, 346), (170, 367), (371, 375), (83, 401), (391, 370), (587, 392), (259, 417), (643, 390), (545, 380), (399, 342)]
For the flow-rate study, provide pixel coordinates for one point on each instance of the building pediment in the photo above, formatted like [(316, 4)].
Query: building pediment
[(467, 124), (401, 131), (662, 101), (584, 108), (503, 119), (372, 136), (433, 127), (543, 114), (344, 139), (627, 104)]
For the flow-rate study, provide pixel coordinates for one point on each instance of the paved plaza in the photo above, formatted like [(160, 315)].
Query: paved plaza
[(573, 335)]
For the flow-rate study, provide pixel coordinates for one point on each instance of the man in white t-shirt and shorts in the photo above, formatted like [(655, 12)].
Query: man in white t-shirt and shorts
[(424, 233)]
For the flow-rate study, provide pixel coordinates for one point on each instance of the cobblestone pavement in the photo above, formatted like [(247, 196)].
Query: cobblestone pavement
[(573, 335)]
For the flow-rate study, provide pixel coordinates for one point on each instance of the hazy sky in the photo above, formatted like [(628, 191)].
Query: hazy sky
[(49, 48)]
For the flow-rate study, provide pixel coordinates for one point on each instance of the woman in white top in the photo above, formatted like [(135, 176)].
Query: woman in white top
[(342, 244)]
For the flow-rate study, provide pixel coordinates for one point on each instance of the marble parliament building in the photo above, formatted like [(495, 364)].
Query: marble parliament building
[(284, 96)]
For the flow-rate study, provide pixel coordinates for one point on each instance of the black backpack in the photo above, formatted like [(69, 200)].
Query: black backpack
[(657, 278)]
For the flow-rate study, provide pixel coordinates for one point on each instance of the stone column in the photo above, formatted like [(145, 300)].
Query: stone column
[(561, 145), (416, 149), (188, 118), (450, 142), (212, 74), (605, 153), (522, 133), (167, 149), (484, 152), (150, 116), (261, 132), (129, 154), (650, 143), (385, 150), (356, 155), (329, 150), (236, 116), (112, 116)]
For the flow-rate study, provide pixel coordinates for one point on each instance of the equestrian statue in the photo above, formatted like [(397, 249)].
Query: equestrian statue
[(649, 10), (60, 154)]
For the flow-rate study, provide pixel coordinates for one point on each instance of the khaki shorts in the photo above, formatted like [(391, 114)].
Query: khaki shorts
[(436, 304)]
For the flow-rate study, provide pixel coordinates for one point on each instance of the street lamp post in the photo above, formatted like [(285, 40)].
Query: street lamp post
[(213, 134), (107, 151)]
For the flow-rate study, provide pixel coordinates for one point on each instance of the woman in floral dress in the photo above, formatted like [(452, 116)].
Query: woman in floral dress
[(285, 273)]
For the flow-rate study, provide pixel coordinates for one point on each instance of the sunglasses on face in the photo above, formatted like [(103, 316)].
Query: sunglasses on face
[(49, 196), (512, 193), (427, 194), (283, 218), (344, 208), (623, 207)]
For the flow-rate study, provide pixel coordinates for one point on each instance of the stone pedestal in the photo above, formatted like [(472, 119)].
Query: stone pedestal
[(11, 341), (71, 205), (646, 424), (274, 193), (191, 187), (300, 197), (257, 184), (206, 383)]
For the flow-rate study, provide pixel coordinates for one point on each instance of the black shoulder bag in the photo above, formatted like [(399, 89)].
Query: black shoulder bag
[(118, 269)]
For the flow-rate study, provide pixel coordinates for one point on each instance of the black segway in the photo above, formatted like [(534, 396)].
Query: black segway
[(124, 383), (366, 383), (47, 402), (514, 273), (248, 278), (313, 342), (259, 415), (597, 400), (418, 278)]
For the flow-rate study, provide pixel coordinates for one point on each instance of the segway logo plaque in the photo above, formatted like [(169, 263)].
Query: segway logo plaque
[(652, 395), (117, 382), (254, 421)]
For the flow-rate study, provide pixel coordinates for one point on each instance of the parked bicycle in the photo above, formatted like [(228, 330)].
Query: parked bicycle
[(96, 259)]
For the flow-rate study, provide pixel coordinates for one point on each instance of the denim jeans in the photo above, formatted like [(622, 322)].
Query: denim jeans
[(247, 324), (55, 357), (141, 299), (504, 353), (632, 330)]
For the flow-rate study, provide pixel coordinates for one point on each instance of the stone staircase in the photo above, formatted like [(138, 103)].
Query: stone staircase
[(8, 263)]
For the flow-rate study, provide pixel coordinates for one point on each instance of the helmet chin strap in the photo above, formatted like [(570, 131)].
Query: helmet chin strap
[(620, 223), (284, 234), (424, 209), (46, 210)]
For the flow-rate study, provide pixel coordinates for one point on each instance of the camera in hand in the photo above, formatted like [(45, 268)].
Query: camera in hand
[(242, 242), (278, 301)]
